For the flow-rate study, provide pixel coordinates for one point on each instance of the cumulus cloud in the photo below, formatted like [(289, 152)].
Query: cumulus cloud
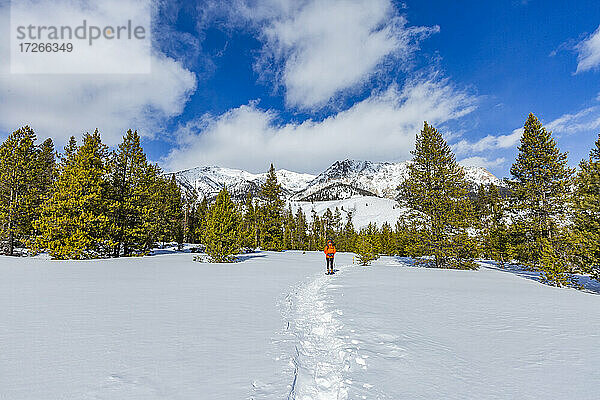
[(478, 161), (317, 49), (61, 105), (585, 120), (488, 143), (589, 52), (381, 127)]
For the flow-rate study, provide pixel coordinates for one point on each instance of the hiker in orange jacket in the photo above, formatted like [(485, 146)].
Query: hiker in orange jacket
[(329, 254)]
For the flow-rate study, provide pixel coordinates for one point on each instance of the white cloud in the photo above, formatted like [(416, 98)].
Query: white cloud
[(62, 105), (589, 52), (477, 161), (317, 49), (489, 142), (382, 127), (585, 120)]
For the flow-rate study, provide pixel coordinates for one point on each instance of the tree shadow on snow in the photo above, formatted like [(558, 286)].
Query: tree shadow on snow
[(406, 261), (173, 248), (588, 284), (249, 256), (160, 252)]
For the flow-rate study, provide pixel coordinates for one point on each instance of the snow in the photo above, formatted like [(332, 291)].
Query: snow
[(290, 180), (365, 209), (143, 328), (275, 326), (426, 333)]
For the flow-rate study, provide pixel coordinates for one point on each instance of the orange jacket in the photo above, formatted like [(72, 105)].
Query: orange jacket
[(329, 251)]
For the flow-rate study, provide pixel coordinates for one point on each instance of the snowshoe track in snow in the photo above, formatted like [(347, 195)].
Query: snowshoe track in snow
[(321, 357)]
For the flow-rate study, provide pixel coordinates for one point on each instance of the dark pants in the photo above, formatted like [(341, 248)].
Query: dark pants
[(329, 264)]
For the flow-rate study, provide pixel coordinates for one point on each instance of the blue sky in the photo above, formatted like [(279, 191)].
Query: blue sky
[(303, 83)]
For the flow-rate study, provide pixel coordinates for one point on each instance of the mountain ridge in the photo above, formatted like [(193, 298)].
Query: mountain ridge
[(342, 180)]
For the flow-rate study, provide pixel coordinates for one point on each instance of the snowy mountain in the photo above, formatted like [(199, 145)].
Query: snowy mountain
[(208, 181), (342, 180), (350, 177)]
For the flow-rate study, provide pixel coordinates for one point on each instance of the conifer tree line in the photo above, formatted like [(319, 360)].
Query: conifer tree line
[(548, 220), (89, 202)]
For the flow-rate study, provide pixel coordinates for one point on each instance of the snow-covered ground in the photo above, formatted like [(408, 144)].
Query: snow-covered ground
[(275, 327), (365, 209), (160, 327)]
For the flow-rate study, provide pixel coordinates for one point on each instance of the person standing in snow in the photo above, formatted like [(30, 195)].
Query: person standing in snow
[(329, 254)]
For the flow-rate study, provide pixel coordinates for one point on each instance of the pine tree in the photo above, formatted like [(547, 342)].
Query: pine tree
[(494, 231), (336, 223), (554, 262), (435, 191), (190, 222), (22, 185), (349, 236), (586, 214), (387, 240), (69, 150), (201, 213), (539, 193), (222, 236), (190, 200), (168, 202), (130, 195), (153, 224), (405, 237), (328, 225), (249, 230), (288, 230), (46, 173), (317, 235), (271, 213), (301, 230), (46, 170), (367, 249), (75, 221)]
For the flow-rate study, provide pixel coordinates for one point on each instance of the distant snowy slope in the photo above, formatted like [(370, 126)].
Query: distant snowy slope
[(364, 210), (292, 181), (481, 176)]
